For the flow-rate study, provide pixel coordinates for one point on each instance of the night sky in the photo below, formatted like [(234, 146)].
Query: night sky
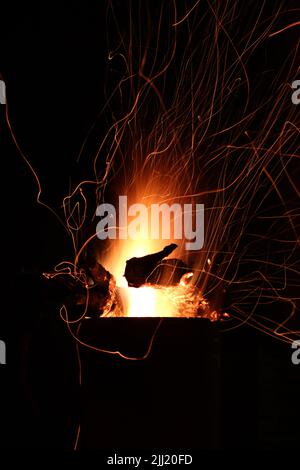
[(54, 60)]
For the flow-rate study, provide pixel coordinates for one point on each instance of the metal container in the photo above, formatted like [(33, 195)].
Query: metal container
[(169, 399)]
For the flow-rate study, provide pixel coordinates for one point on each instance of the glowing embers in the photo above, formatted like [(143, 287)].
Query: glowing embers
[(152, 286), (161, 301), (157, 287)]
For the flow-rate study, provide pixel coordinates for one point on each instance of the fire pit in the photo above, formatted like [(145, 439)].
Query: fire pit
[(152, 286), (148, 351)]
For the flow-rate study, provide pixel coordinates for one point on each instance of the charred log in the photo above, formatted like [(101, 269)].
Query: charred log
[(153, 269)]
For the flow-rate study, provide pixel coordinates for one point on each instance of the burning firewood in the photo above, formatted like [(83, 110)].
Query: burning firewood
[(153, 269), (93, 289), (167, 286), (102, 296)]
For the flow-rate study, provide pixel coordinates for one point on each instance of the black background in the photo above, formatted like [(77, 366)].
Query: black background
[(54, 62)]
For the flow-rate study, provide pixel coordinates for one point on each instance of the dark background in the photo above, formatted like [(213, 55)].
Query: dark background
[(54, 62)]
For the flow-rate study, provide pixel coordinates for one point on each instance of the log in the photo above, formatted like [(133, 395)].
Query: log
[(154, 269)]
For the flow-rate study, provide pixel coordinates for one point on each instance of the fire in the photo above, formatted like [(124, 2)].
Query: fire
[(145, 301), (122, 250), (182, 300), (148, 301), (160, 301)]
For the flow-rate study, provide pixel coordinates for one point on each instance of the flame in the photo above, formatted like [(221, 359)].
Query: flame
[(122, 250), (182, 300), (149, 301), (145, 301), (160, 301)]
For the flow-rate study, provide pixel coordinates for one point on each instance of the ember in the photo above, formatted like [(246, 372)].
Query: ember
[(157, 287)]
